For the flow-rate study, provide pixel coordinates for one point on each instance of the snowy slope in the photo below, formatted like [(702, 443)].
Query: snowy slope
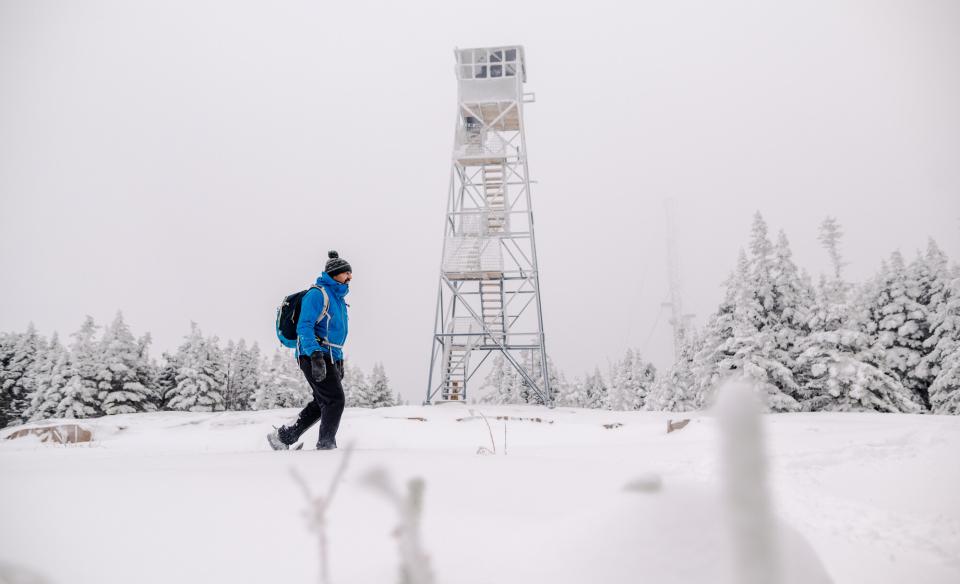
[(174, 497)]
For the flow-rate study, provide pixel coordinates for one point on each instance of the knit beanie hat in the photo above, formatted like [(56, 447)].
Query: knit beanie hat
[(336, 264)]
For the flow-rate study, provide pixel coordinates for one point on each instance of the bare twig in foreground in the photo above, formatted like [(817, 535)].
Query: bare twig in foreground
[(316, 511), (414, 561), (493, 445), (504, 437)]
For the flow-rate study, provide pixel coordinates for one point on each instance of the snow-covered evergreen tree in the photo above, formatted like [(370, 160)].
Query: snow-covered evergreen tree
[(822, 354), (590, 392), (830, 235), (80, 393), (51, 379), (897, 324), (944, 344), (631, 380), (230, 358), (568, 393), (282, 384), (242, 375), (621, 395), (844, 374), (199, 379), (759, 289), (934, 281), (945, 391), (752, 334), (838, 365), (166, 379), (356, 389), (530, 361), (503, 383), (832, 310), (712, 344), (148, 372), (754, 353), (767, 298), (676, 391), (249, 376), (560, 388), (120, 377), (793, 299), (380, 394), (7, 343), (19, 376)]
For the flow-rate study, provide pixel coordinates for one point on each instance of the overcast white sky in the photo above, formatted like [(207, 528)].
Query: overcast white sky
[(195, 160)]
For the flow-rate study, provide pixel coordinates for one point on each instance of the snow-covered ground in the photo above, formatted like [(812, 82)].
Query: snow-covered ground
[(174, 497)]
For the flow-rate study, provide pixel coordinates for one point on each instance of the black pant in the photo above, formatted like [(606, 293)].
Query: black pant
[(326, 406)]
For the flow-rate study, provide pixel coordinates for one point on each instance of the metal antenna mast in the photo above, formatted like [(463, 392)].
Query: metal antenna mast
[(678, 320), (488, 299)]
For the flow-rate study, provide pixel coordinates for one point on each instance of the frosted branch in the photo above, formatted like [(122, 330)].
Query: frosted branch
[(316, 511), (414, 561), (493, 444)]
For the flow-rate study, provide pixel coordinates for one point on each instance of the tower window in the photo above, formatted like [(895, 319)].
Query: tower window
[(488, 63)]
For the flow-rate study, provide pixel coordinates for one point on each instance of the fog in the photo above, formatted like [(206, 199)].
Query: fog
[(194, 161)]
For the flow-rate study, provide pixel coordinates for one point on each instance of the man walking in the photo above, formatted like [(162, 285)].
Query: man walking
[(321, 332)]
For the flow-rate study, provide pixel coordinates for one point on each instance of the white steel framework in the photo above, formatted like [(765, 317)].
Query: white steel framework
[(488, 299), (678, 320)]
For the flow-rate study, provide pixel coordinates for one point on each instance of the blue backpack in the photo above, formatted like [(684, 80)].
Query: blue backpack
[(288, 313)]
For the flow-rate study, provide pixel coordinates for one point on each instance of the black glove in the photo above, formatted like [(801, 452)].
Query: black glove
[(318, 367)]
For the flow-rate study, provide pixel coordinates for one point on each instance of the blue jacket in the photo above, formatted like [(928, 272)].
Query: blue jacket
[(333, 329)]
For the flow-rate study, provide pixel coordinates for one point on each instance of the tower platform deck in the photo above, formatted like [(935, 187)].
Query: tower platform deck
[(467, 159), (474, 275)]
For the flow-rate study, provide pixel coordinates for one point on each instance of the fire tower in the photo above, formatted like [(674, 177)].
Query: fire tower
[(489, 293)]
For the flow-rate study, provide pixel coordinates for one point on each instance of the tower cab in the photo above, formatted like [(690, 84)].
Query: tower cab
[(490, 91)]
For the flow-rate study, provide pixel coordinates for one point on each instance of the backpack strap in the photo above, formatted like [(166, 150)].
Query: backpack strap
[(325, 313), (326, 304)]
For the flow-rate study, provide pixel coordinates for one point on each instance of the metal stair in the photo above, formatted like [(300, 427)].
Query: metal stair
[(456, 356), (455, 372), (491, 309), (495, 196), (491, 291)]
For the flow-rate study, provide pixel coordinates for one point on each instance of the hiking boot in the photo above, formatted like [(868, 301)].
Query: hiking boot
[(273, 439), (326, 444)]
